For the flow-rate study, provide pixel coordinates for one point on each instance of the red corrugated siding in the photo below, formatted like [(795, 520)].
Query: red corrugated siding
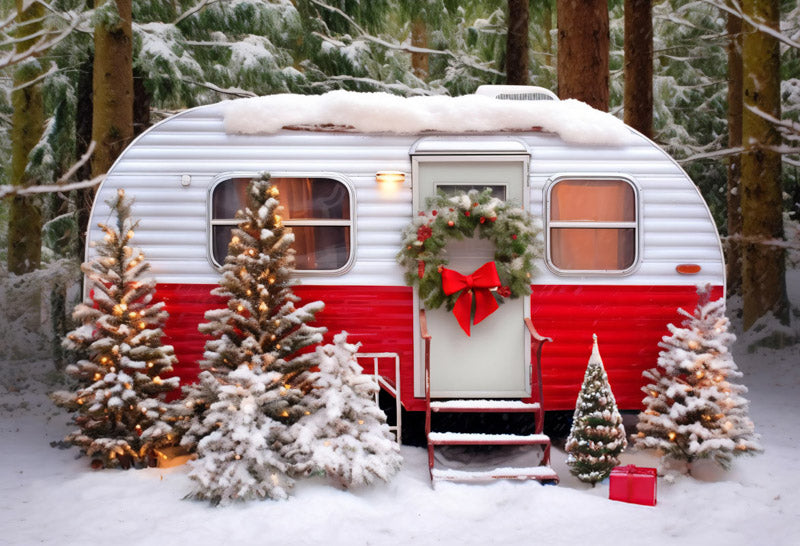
[(629, 322), (380, 317)]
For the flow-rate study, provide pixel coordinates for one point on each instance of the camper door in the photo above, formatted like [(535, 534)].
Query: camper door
[(495, 360)]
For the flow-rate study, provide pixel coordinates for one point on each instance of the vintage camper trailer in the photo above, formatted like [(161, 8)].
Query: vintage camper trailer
[(626, 235)]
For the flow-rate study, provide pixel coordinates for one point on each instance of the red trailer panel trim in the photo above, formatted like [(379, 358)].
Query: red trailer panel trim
[(628, 320)]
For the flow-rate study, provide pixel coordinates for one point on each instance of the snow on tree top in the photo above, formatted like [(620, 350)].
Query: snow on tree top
[(574, 121)]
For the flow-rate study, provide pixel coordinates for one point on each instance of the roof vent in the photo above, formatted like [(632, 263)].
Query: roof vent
[(516, 92)]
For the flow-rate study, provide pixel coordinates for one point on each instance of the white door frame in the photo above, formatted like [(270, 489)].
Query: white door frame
[(417, 203)]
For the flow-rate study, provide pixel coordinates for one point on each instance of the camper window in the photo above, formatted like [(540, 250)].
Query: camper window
[(592, 225), (317, 210)]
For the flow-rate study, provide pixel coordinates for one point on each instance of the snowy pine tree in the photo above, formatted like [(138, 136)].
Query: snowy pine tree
[(694, 410), (118, 411), (346, 435), (254, 383), (597, 436)]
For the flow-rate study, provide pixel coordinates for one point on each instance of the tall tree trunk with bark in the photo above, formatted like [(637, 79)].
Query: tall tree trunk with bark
[(734, 202), (517, 43), (583, 49), (112, 86), (27, 126), (419, 38), (547, 27), (764, 267), (639, 66)]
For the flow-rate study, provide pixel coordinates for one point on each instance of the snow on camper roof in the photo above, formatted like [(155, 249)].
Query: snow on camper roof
[(574, 121)]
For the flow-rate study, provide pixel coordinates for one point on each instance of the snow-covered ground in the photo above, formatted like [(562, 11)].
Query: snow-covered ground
[(48, 496)]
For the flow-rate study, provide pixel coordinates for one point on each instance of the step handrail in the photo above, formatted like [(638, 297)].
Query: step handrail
[(426, 336), (539, 341)]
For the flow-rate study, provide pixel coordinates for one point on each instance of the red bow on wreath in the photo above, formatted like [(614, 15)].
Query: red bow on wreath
[(479, 283)]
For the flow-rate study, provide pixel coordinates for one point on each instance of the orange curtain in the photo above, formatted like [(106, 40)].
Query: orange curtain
[(591, 201), (296, 203)]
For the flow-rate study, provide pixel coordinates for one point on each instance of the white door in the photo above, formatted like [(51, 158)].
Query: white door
[(494, 361)]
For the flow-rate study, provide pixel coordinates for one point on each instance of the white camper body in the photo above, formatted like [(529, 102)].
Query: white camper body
[(173, 170)]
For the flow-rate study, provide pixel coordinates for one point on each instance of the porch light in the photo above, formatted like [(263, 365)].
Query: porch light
[(390, 179)]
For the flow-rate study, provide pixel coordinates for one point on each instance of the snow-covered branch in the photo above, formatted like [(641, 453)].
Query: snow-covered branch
[(45, 41), (61, 184), (7, 190), (716, 154), (232, 91), (780, 243), (734, 8), (787, 127), (407, 48), (405, 89), (194, 9)]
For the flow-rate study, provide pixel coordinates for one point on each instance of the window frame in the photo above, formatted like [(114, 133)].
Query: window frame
[(636, 224), (351, 222)]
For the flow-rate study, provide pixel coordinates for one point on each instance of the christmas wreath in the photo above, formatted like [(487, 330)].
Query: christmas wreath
[(512, 230)]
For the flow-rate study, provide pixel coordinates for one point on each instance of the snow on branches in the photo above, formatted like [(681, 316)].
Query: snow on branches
[(118, 410), (597, 436), (255, 380), (346, 435), (694, 409)]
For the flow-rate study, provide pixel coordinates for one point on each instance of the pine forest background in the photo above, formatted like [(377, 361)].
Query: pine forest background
[(185, 53)]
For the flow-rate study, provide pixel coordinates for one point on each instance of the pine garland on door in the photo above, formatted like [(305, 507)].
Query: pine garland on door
[(513, 232), (117, 405)]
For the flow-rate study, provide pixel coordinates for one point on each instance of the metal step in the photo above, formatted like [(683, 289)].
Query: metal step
[(484, 406), (540, 473), (465, 438)]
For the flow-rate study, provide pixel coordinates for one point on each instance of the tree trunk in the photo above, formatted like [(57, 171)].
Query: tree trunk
[(517, 43), (27, 125), (547, 27), (112, 86), (764, 267), (639, 66), (734, 202), (583, 44), (419, 38)]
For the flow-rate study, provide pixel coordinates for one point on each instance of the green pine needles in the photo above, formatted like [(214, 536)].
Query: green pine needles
[(461, 216), (597, 436)]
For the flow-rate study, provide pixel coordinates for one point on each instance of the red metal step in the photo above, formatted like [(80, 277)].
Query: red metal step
[(541, 473), (479, 439), (484, 406)]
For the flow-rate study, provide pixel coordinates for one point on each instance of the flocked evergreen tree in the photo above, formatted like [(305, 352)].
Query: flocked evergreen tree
[(597, 436), (254, 383), (694, 409), (118, 410), (345, 435)]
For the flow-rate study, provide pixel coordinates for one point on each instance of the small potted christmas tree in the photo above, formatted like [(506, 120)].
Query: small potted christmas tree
[(345, 435), (117, 403), (255, 380), (597, 437), (694, 408)]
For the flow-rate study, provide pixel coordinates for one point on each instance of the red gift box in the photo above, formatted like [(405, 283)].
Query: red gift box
[(633, 484)]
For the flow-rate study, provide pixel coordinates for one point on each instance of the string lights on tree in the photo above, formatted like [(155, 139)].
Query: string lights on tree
[(597, 437), (694, 409), (118, 404), (255, 380)]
